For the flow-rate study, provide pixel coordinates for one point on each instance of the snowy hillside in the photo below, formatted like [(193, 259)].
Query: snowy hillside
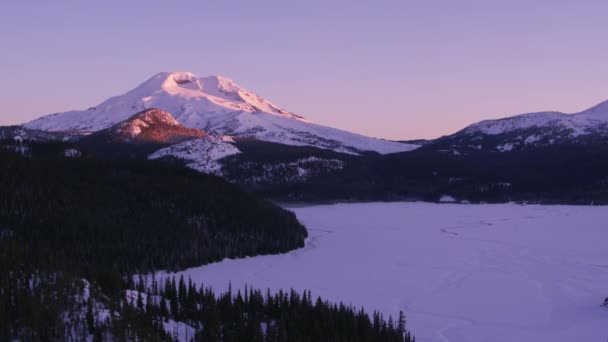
[(201, 154), (585, 122), (528, 131), (219, 106)]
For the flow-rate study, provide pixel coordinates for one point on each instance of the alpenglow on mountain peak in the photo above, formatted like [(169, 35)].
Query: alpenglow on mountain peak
[(217, 89), (217, 105), (168, 81)]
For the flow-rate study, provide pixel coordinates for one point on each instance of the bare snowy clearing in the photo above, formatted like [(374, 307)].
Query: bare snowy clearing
[(460, 272)]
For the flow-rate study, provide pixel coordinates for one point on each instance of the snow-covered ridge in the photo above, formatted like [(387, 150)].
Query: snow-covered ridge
[(528, 131), (217, 105), (585, 122)]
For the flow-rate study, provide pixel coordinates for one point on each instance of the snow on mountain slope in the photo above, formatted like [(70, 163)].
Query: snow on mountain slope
[(219, 106), (529, 131), (581, 123), (200, 154)]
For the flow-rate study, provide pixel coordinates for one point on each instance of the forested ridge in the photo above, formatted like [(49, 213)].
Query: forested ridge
[(134, 215), (556, 174)]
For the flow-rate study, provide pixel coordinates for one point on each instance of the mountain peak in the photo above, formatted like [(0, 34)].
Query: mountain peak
[(222, 83), (174, 74), (184, 80), (599, 110), (214, 104), (220, 78), (194, 101)]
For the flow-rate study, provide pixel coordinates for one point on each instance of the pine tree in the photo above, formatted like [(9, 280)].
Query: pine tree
[(140, 302), (149, 304), (90, 318), (401, 323)]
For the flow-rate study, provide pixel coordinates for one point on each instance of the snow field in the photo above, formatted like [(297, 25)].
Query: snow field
[(460, 272)]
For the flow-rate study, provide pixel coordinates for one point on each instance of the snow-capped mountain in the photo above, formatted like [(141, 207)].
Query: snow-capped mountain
[(531, 130), (148, 126), (218, 106)]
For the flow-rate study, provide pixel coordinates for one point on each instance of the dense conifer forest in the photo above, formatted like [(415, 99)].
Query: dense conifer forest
[(557, 174), (134, 216), (74, 231)]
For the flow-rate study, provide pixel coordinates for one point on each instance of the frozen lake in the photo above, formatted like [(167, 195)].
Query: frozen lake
[(459, 272)]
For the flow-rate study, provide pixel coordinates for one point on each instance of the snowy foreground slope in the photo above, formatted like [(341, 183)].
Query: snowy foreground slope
[(218, 106), (461, 272)]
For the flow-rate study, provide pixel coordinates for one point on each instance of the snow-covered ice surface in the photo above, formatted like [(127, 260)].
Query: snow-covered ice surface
[(460, 272)]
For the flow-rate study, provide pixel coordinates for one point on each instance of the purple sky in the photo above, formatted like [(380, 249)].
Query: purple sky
[(391, 69)]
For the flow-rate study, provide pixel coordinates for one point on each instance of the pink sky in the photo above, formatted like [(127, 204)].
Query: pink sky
[(391, 69)]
